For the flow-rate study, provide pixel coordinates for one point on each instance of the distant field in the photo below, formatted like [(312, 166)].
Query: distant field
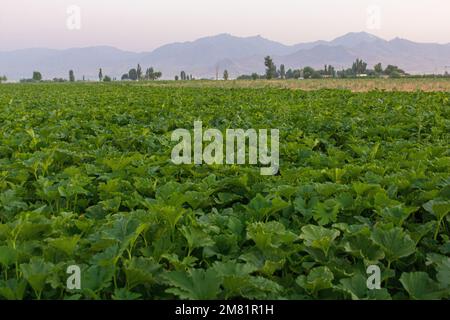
[(356, 85)]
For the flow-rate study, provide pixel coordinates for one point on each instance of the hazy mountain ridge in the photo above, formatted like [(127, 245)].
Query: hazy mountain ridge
[(240, 55)]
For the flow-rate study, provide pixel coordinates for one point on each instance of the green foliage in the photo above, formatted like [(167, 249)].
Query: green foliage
[(420, 286), (133, 74), (318, 279), (310, 73), (359, 67), (282, 71), (394, 71), (37, 76), (71, 76), (378, 68), (271, 68), (394, 242), (86, 179), (319, 237), (151, 74), (225, 75), (195, 284)]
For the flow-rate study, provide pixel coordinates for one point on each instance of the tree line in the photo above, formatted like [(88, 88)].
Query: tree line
[(134, 74), (359, 69), (184, 76)]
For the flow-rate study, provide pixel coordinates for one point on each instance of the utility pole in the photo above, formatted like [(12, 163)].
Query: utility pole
[(217, 71)]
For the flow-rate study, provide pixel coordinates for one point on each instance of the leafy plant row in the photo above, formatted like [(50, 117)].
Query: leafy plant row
[(86, 179)]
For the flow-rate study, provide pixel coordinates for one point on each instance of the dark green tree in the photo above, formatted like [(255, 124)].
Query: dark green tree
[(289, 74), (308, 72), (271, 68), (151, 74), (359, 67), (157, 75), (139, 72), (394, 71), (100, 75), (331, 71), (132, 74), (37, 76), (107, 79), (378, 68), (328, 71), (71, 76), (282, 71), (225, 75)]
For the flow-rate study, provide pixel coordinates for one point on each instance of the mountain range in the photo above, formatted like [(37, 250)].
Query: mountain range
[(239, 55)]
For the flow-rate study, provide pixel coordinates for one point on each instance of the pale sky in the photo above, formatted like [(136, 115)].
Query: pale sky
[(143, 25)]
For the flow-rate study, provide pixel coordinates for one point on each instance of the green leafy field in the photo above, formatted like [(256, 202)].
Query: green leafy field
[(86, 179)]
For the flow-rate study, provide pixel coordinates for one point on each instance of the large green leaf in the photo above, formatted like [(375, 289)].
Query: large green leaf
[(356, 287), (65, 244), (420, 286), (442, 264), (8, 256), (394, 241), (141, 271), (36, 272), (197, 284), (319, 237), (319, 278), (362, 246), (13, 289), (326, 212), (270, 236)]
